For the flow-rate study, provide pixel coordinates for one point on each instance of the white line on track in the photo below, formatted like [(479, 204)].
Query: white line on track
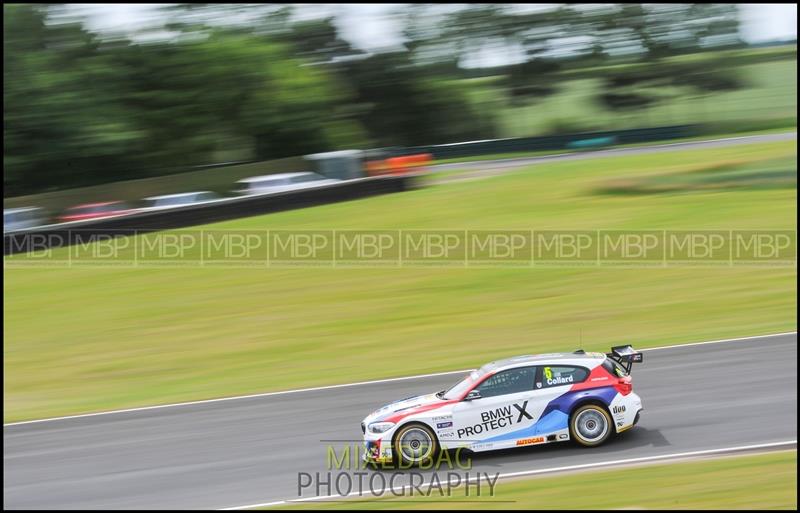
[(343, 385), (548, 471)]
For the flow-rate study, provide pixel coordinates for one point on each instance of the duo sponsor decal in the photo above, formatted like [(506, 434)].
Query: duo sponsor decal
[(531, 441), (496, 419), (619, 409)]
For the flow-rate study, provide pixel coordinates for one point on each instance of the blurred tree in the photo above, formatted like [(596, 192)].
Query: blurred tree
[(662, 30), (645, 86), (399, 104), (249, 81), (61, 118), (79, 111), (319, 41)]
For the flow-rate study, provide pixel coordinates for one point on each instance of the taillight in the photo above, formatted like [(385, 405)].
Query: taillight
[(624, 385)]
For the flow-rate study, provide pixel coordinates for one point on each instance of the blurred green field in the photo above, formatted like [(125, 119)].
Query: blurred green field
[(766, 481), (769, 95), (80, 340)]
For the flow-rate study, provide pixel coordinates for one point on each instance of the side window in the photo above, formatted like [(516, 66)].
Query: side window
[(509, 381), (556, 376)]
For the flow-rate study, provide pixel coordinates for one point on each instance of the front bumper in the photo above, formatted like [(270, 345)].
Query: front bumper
[(377, 452), (378, 446)]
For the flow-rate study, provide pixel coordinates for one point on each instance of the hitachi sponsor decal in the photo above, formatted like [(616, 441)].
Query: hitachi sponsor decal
[(496, 419)]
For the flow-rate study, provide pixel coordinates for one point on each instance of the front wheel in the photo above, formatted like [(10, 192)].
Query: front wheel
[(590, 425), (415, 444)]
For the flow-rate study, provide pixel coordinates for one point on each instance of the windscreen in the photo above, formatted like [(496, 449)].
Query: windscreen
[(462, 386)]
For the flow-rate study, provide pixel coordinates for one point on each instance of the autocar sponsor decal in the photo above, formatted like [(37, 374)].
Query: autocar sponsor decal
[(531, 441), (442, 425)]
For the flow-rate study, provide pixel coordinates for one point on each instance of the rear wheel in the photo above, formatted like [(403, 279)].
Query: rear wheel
[(415, 444), (590, 425)]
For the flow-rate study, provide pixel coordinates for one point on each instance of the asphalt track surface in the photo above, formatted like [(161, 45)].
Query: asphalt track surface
[(250, 450), (486, 168)]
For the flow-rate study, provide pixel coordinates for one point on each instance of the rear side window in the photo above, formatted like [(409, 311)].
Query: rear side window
[(614, 368), (560, 375)]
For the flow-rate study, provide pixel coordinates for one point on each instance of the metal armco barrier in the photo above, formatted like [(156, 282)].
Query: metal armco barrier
[(554, 142), (68, 234)]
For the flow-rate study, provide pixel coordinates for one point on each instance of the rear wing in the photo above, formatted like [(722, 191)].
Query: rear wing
[(625, 356)]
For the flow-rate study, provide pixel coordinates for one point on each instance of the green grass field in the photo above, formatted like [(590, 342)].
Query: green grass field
[(80, 340), (770, 94), (766, 481)]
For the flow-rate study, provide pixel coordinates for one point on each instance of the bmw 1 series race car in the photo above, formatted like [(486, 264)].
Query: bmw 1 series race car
[(516, 402)]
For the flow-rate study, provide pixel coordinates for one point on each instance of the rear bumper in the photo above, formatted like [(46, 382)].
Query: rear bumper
[(627, 412)]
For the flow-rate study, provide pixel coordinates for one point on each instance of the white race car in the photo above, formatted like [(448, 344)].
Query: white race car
[(521, 401)]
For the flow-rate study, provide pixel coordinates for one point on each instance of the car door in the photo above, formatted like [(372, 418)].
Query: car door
[(506, 405)]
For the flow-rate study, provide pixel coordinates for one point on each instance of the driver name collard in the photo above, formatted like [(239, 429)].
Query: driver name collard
[(496, 419), (558, 380)]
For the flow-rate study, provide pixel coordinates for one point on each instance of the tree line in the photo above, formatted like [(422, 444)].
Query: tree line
[(82, 109)]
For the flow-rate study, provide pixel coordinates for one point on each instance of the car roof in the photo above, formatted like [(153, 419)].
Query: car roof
[(177, 195), (278, 175), (575, 358)]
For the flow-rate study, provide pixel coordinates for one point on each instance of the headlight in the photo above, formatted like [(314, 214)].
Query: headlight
[(380, 427)]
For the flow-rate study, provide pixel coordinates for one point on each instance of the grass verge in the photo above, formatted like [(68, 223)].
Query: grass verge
[(764, 481), (88, 339)]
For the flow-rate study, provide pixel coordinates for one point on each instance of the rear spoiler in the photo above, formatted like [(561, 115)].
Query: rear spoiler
[(625, 356)]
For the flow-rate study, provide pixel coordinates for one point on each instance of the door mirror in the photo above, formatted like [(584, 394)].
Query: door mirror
[(474, 394)]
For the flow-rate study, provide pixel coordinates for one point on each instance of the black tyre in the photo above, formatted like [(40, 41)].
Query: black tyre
[(415, 444), (590, 425)]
